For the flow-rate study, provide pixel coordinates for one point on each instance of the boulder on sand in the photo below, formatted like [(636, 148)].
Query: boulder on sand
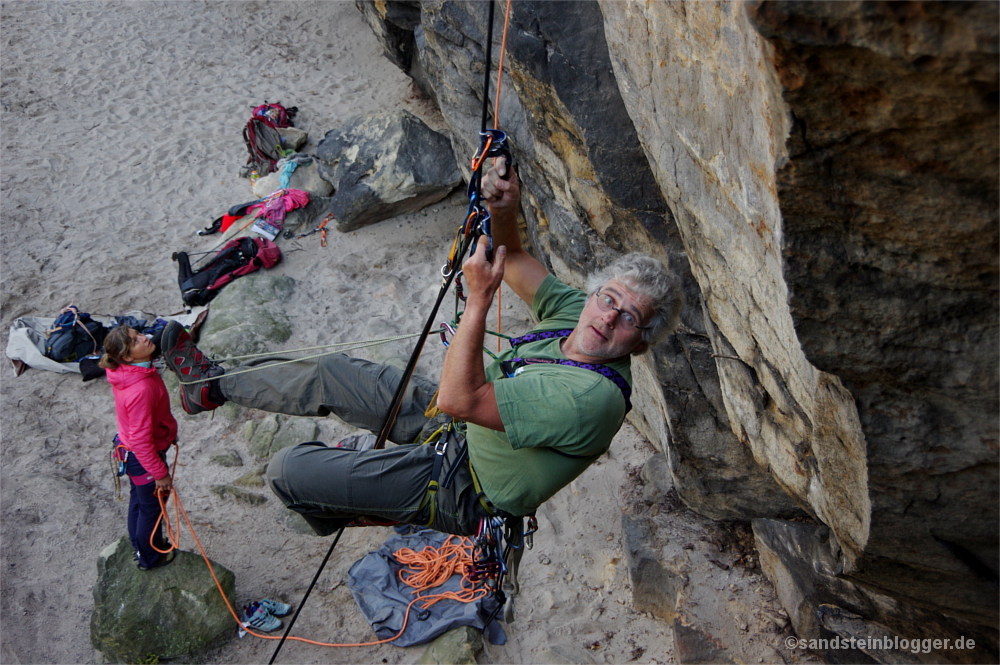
[(170, 612), (385, 165)]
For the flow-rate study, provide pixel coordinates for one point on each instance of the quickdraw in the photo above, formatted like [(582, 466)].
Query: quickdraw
[(492, 143), (119, 458), (497, 551)]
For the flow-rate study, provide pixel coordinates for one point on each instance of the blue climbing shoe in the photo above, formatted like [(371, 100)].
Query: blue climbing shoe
[(255, 616), (276, 608)]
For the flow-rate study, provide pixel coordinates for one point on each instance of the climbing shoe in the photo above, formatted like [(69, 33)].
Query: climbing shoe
[(192, 368), (255, 616), (275, 608), (162, 561)]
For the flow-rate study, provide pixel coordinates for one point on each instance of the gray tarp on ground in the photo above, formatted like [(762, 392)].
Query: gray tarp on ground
[(382, 597), (26, 341)]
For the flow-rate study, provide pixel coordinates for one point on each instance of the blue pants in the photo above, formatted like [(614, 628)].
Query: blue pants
[(143, 511)]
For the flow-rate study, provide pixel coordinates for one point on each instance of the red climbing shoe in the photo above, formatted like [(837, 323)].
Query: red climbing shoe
[(192, 367)]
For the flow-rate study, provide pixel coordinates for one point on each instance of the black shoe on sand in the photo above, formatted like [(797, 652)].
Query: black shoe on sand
[(192, 368)]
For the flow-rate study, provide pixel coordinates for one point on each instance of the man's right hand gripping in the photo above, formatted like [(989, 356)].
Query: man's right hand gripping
[(522, 272)]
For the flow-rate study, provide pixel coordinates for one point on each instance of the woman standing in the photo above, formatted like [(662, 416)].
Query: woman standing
[(146, 428)]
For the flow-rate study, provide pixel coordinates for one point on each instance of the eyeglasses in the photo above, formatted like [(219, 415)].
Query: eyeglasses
[(607, 302)]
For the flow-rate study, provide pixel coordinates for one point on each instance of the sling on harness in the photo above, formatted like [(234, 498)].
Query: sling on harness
[(512, 367)]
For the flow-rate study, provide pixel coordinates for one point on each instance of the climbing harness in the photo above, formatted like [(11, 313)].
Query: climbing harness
[(512, 367)]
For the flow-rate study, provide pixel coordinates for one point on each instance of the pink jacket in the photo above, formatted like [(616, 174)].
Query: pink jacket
[(145, 424)]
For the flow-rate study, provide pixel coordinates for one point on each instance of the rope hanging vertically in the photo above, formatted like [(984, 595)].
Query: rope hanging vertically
[(397, 400)]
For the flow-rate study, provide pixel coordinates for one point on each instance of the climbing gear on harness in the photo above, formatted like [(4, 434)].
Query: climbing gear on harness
[(184, 359), (440, 442), (119, 457), (499, 546)]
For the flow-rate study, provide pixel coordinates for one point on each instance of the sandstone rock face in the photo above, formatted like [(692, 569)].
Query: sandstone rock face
[(889, 207), (823, 177), (590, 195), (247, 317), (714, 132)]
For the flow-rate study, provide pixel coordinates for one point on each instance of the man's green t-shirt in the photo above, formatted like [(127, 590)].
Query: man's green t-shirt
[(558, 419)]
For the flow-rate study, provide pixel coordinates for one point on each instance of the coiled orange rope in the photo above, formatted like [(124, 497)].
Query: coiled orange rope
[(429, 568)]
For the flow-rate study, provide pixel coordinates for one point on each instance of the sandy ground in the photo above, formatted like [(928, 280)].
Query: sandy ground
[(121, 138)]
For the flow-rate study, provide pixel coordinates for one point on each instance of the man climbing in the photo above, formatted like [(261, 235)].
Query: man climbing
[(524, 427)]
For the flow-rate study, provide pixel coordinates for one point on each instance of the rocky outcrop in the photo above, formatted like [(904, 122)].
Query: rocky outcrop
[(589, 195), (305, 177), (889, 211), (823, 177), (385, 165), (247, 317), (167, 613), (803, 562)]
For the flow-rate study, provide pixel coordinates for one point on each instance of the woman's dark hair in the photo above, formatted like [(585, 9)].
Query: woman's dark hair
[(117, 345)]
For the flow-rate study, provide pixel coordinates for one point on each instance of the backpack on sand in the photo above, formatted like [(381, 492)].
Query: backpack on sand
[(238, 257), (262, 138), (73, 336)]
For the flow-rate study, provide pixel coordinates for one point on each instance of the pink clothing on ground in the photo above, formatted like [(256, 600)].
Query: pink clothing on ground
[(280, 202), (145, 424)]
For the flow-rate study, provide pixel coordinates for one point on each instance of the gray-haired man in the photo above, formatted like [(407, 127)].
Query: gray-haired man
[(523, 426)]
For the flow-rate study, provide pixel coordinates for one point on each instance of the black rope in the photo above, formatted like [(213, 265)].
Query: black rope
[(306, 596), (397, 398), (486, 75)]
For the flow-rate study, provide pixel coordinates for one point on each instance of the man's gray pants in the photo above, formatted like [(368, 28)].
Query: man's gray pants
[(331, 487)]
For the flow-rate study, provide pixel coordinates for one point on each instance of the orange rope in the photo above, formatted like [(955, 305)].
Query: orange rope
[(503, 52), (496, 125), (174, 538), (433, 568)]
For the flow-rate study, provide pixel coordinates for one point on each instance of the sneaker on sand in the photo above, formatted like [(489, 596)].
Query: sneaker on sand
[(276, 608), (191, 366), (255, 616)]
